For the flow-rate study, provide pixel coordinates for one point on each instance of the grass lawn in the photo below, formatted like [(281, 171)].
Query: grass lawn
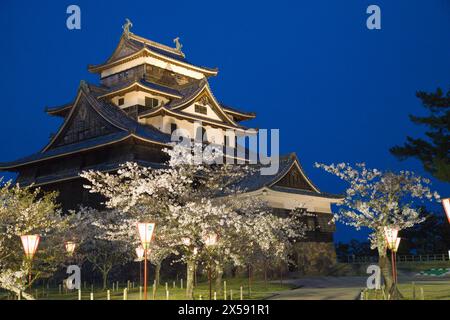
[(259, 291), (432, 290)]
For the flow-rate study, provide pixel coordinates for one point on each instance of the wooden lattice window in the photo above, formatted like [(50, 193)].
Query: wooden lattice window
[(151, 102), (201, 109)]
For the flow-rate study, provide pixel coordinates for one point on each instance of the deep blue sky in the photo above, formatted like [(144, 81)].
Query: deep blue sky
[(336, 90)]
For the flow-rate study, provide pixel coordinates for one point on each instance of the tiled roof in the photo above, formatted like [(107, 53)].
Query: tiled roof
[(145, 83), (306, 192), (70, 148), (255, 180), (74, 173), (126, 125), (163, 52), (226, 107)]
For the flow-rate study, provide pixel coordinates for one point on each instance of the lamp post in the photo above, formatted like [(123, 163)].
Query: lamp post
[(391, 234), (446, 205), (30, 244), (146, 230), (395, 249), (140, 255), (210, 240)]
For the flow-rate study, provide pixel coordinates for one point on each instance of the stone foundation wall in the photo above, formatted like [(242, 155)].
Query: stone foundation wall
[(315, 258)]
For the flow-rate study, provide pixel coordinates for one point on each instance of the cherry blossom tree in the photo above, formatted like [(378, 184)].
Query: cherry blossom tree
[(107, 239), (192, 197), (377, 199), (29, 211)]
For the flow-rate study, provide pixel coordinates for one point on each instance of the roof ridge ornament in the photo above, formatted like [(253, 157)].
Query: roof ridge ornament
[(83, 85), (178, 45), (126, 27)]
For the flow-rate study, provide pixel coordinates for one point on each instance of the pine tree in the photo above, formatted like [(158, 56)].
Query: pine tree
[(433, 151)]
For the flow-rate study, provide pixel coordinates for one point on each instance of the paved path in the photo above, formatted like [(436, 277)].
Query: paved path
[(323, 288)]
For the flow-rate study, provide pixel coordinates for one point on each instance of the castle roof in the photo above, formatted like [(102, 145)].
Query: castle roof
[(125, 127), (131, 46)]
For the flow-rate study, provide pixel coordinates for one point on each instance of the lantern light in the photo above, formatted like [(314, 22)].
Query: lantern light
[(210, 239), (70, 247), (391, 236), (140, 253), (446, 205), (146, 230), (30, 244), (397, 244), (146, 233)]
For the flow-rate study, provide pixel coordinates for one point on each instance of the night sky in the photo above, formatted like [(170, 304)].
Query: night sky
[(336, 90)]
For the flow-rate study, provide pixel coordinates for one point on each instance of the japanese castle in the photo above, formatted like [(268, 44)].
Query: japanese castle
[(146, 91)]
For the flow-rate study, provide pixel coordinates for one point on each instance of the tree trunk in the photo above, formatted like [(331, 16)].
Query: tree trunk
[(265, 274), (249, 269), (105, 279), (390, 289), (219, 274), (190, 279), (157, 273)]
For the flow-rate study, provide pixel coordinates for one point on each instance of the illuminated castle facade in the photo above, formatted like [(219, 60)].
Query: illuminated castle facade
[(146, 91)]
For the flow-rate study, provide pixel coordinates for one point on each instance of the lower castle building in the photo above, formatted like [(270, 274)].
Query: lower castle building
[(146, 91)]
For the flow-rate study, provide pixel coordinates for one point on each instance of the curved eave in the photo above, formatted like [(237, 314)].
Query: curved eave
[(177, 114), (333, 198), (145, 51), (59, 111), (241, 115), (137, 85), (209, 92), (296, 163), (11, 165)]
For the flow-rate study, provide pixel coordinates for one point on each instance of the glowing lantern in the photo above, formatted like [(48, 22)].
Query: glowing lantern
[(30, 244), (140, 253), (397, 244), (446, 205), (391, 236), (70, 247), (210, 239), (146, 233)]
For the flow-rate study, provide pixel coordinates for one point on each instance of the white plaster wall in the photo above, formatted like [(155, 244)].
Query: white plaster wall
[(210, 113), (163, 123), (136, 97)]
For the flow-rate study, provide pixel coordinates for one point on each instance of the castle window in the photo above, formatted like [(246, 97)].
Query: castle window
[(201, 109), (151, 102), (173, 127), (121, 101), (201, 135)]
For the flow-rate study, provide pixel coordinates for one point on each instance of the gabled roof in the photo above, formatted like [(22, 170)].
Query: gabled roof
[(179, 98), (163, 110), (125, 127), (256, 181), (143, 85), (133, 46), (192, 93)]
